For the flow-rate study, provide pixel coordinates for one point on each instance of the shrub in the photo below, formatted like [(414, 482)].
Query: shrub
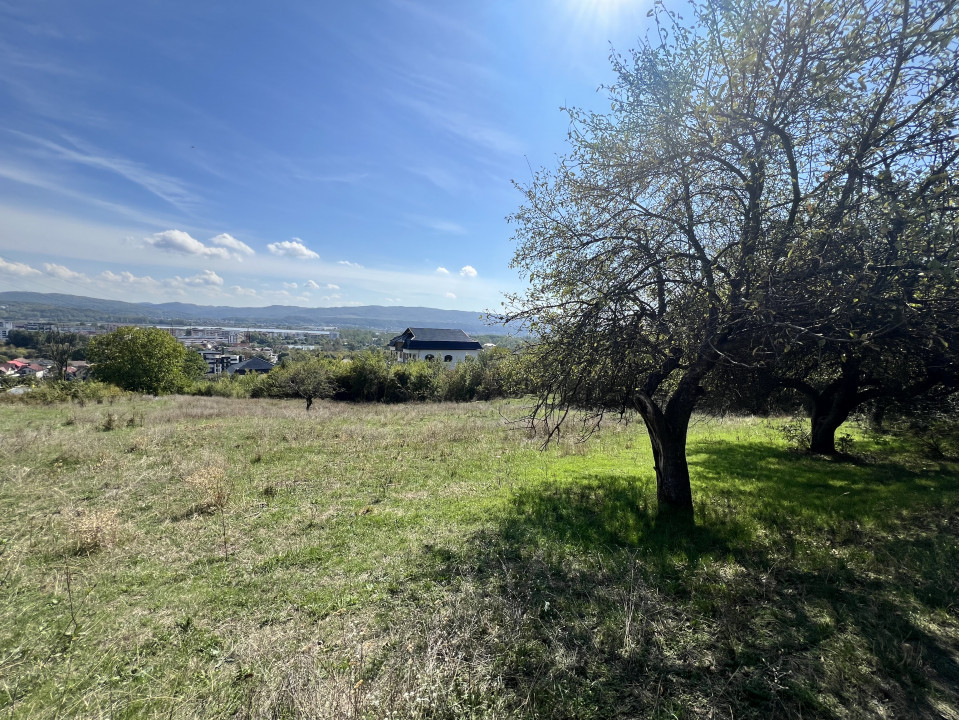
[(49, 392), (368, 376), (230, 386), (417, 381)]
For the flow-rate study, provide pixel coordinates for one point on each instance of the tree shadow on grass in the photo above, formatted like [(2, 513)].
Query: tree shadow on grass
[(776, 482), (579, 602)]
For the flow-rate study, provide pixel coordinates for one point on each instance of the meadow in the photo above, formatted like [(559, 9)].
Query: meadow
[(183, 557)]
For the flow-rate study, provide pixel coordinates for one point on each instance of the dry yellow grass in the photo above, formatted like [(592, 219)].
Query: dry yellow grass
[(91, 530), (210, 487)]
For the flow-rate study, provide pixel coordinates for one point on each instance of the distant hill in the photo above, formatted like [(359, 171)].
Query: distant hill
[(56, 307)]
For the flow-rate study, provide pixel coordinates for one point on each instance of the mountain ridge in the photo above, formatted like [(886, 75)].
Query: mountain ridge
[(59, 307)]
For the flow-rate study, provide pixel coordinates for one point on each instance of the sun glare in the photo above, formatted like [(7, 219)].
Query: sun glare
[(601, 8), (605, 16)]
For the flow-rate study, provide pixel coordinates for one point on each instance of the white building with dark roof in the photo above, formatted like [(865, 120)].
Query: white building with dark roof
[(442, 344)]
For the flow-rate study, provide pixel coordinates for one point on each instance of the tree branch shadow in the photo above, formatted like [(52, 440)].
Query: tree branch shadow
[(581, 602)]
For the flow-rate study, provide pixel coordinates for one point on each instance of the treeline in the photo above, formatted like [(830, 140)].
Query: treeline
[(370, 376), (33, 343)]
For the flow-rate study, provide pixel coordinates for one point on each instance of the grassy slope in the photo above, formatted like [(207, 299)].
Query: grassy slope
[(429, 561)]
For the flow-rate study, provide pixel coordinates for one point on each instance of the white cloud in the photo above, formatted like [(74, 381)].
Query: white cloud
[(331, 286), (61, 272), (451, 296), (238, 290), (15, 268), (128, 278), (348, 263), (207, 278), (293, 248), (312, 285), (290, 286), (442, 271), (468, 271), (177, 241), (228, 241)]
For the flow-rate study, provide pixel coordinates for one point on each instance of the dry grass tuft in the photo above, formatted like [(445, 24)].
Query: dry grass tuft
[(211, 488), (92, 530)]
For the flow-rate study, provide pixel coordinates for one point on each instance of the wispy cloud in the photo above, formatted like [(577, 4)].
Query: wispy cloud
[(451, 296), (32, 179), (348, 263), (165, 187), (464, 126), (443, 22), (344, 178), (292, 248), (439, 225), (442, 271), (445, 179)]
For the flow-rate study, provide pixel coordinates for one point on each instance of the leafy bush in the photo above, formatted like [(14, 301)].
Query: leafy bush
[(49, 392), (415, 381), (230, 386), (369, 375)]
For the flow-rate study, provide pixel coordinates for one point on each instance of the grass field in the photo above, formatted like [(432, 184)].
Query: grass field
[(205, 557)]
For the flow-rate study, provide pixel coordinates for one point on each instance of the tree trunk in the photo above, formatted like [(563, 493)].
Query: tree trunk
[(667, 435), (673, 490), (830, 409)]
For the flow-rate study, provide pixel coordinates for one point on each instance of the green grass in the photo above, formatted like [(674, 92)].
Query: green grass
[(430, 561)]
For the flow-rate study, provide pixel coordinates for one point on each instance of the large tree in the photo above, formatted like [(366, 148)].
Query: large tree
[(146, 360), (652, 250), (866, 304)]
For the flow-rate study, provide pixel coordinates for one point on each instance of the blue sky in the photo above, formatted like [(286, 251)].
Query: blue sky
[(303, 153)]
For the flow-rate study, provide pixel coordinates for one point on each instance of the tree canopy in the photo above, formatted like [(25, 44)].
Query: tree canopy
[(771, 175), (146, 360)]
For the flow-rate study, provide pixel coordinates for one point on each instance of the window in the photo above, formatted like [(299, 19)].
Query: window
[(430, 357), (448, 358)]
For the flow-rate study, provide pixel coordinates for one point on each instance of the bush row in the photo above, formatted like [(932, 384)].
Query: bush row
[(48, 392), (372, 377)]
